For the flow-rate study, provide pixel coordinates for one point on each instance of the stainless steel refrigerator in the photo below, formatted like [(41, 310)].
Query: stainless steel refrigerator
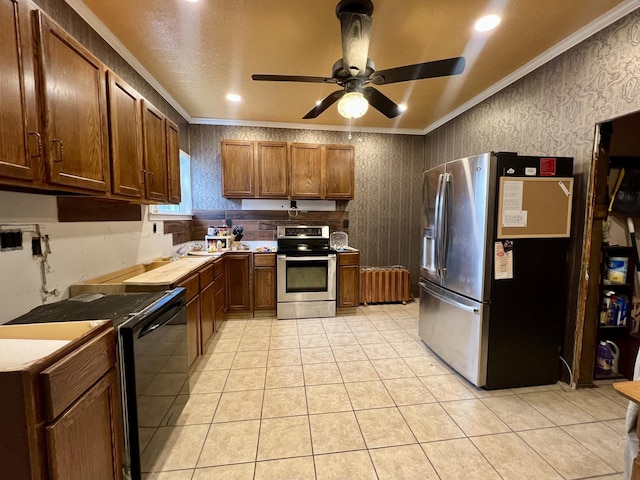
[(494, 266)]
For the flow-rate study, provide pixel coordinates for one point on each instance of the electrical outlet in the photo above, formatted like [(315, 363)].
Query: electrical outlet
[(36, 247)]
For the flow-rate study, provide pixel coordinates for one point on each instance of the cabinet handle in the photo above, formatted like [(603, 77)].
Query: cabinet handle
[(61, 150), (39, 137), (143, 181), (151, 180)]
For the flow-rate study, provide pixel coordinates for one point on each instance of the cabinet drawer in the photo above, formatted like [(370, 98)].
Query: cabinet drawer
[(349, 258), (264, 260), (206, 276), (69, 378), (192, 284), (218, 266), (219, 283)]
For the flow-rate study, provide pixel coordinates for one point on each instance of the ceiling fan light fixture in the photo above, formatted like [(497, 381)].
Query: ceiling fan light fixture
[(402, 107), (353, 105)]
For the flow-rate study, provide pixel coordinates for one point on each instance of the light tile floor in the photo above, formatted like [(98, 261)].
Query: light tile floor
[(360, 397)]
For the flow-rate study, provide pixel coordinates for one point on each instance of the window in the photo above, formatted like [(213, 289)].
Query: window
[(184, 209)]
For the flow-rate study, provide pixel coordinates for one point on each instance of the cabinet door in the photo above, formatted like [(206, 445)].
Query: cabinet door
[(125, 129), (339, 165), (348, 286), (273, 170), (173, 161), (85, 441), (154, 153), (306, 171), (238, 282), (264, 287), (193, 330), (74, 110), (207, 315), (237, 169), (19, 140)]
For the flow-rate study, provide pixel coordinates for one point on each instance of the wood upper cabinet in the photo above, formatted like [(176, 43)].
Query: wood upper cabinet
[(173, 161), (237, 169), (272, 169), (307, 174), (74, 109), (19, 125), (239, 270), (154, 153), (125, 129), (339, 172)]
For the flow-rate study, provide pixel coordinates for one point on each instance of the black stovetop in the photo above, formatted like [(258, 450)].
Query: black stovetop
[(117, 308)]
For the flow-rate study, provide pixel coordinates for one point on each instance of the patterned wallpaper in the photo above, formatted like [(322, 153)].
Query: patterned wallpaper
[(384, 217), (553, 111)]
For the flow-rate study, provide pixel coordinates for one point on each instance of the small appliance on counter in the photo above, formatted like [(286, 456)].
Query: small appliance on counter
[(338, 240)]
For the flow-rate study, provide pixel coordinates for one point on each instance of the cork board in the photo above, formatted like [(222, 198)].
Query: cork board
[(534, 207)]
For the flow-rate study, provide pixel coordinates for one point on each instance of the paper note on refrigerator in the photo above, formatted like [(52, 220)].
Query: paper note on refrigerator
[(503, 261), (512, 196), (514, 218)]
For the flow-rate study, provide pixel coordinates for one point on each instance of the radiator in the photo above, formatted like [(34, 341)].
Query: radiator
[(384, 285)]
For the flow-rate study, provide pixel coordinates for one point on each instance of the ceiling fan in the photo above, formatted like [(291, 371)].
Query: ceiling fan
[(355, 71)]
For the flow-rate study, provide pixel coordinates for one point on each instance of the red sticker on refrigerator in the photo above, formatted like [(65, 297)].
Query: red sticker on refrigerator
[(547, 167)]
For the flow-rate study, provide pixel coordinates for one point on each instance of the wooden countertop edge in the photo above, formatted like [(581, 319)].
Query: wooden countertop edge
[(170, 273), (629, 390)]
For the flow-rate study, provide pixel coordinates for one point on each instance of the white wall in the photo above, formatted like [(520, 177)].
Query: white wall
[(79, 251)]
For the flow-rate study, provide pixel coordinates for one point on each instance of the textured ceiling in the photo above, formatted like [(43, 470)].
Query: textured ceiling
[(199, 52)]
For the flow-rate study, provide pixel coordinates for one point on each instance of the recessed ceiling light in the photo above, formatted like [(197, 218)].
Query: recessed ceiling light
[(486, 23), (402, 107), (233, 97), (193, 1)]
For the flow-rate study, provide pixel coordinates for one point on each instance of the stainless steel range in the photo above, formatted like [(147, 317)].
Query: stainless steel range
[(306, 272)]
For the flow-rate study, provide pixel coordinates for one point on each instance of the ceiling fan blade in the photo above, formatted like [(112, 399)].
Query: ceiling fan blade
[(438, 68), (291, 78), (381, 102), (324, 104)]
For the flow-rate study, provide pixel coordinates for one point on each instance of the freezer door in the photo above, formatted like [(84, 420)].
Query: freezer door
[(470, 192), (432, 183), (456, 329)]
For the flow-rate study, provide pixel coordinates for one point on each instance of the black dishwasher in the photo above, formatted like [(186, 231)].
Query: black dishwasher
[(152, 358)]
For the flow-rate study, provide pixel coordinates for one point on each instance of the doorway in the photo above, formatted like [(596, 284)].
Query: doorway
[(613, 198)]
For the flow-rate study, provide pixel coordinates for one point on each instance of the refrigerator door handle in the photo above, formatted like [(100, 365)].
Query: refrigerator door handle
[(450, 301), (438, 226), (446, 220)]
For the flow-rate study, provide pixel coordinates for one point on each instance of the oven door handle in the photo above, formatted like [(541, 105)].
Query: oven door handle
[(306, 259)]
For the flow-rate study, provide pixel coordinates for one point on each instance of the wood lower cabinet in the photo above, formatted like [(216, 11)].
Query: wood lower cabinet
[(20, 131), (348, 279), (74, 109), (264, 281), (80, 442), (207, 306), (220, 288), (239, 272), (192, 286), (60, 414)]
